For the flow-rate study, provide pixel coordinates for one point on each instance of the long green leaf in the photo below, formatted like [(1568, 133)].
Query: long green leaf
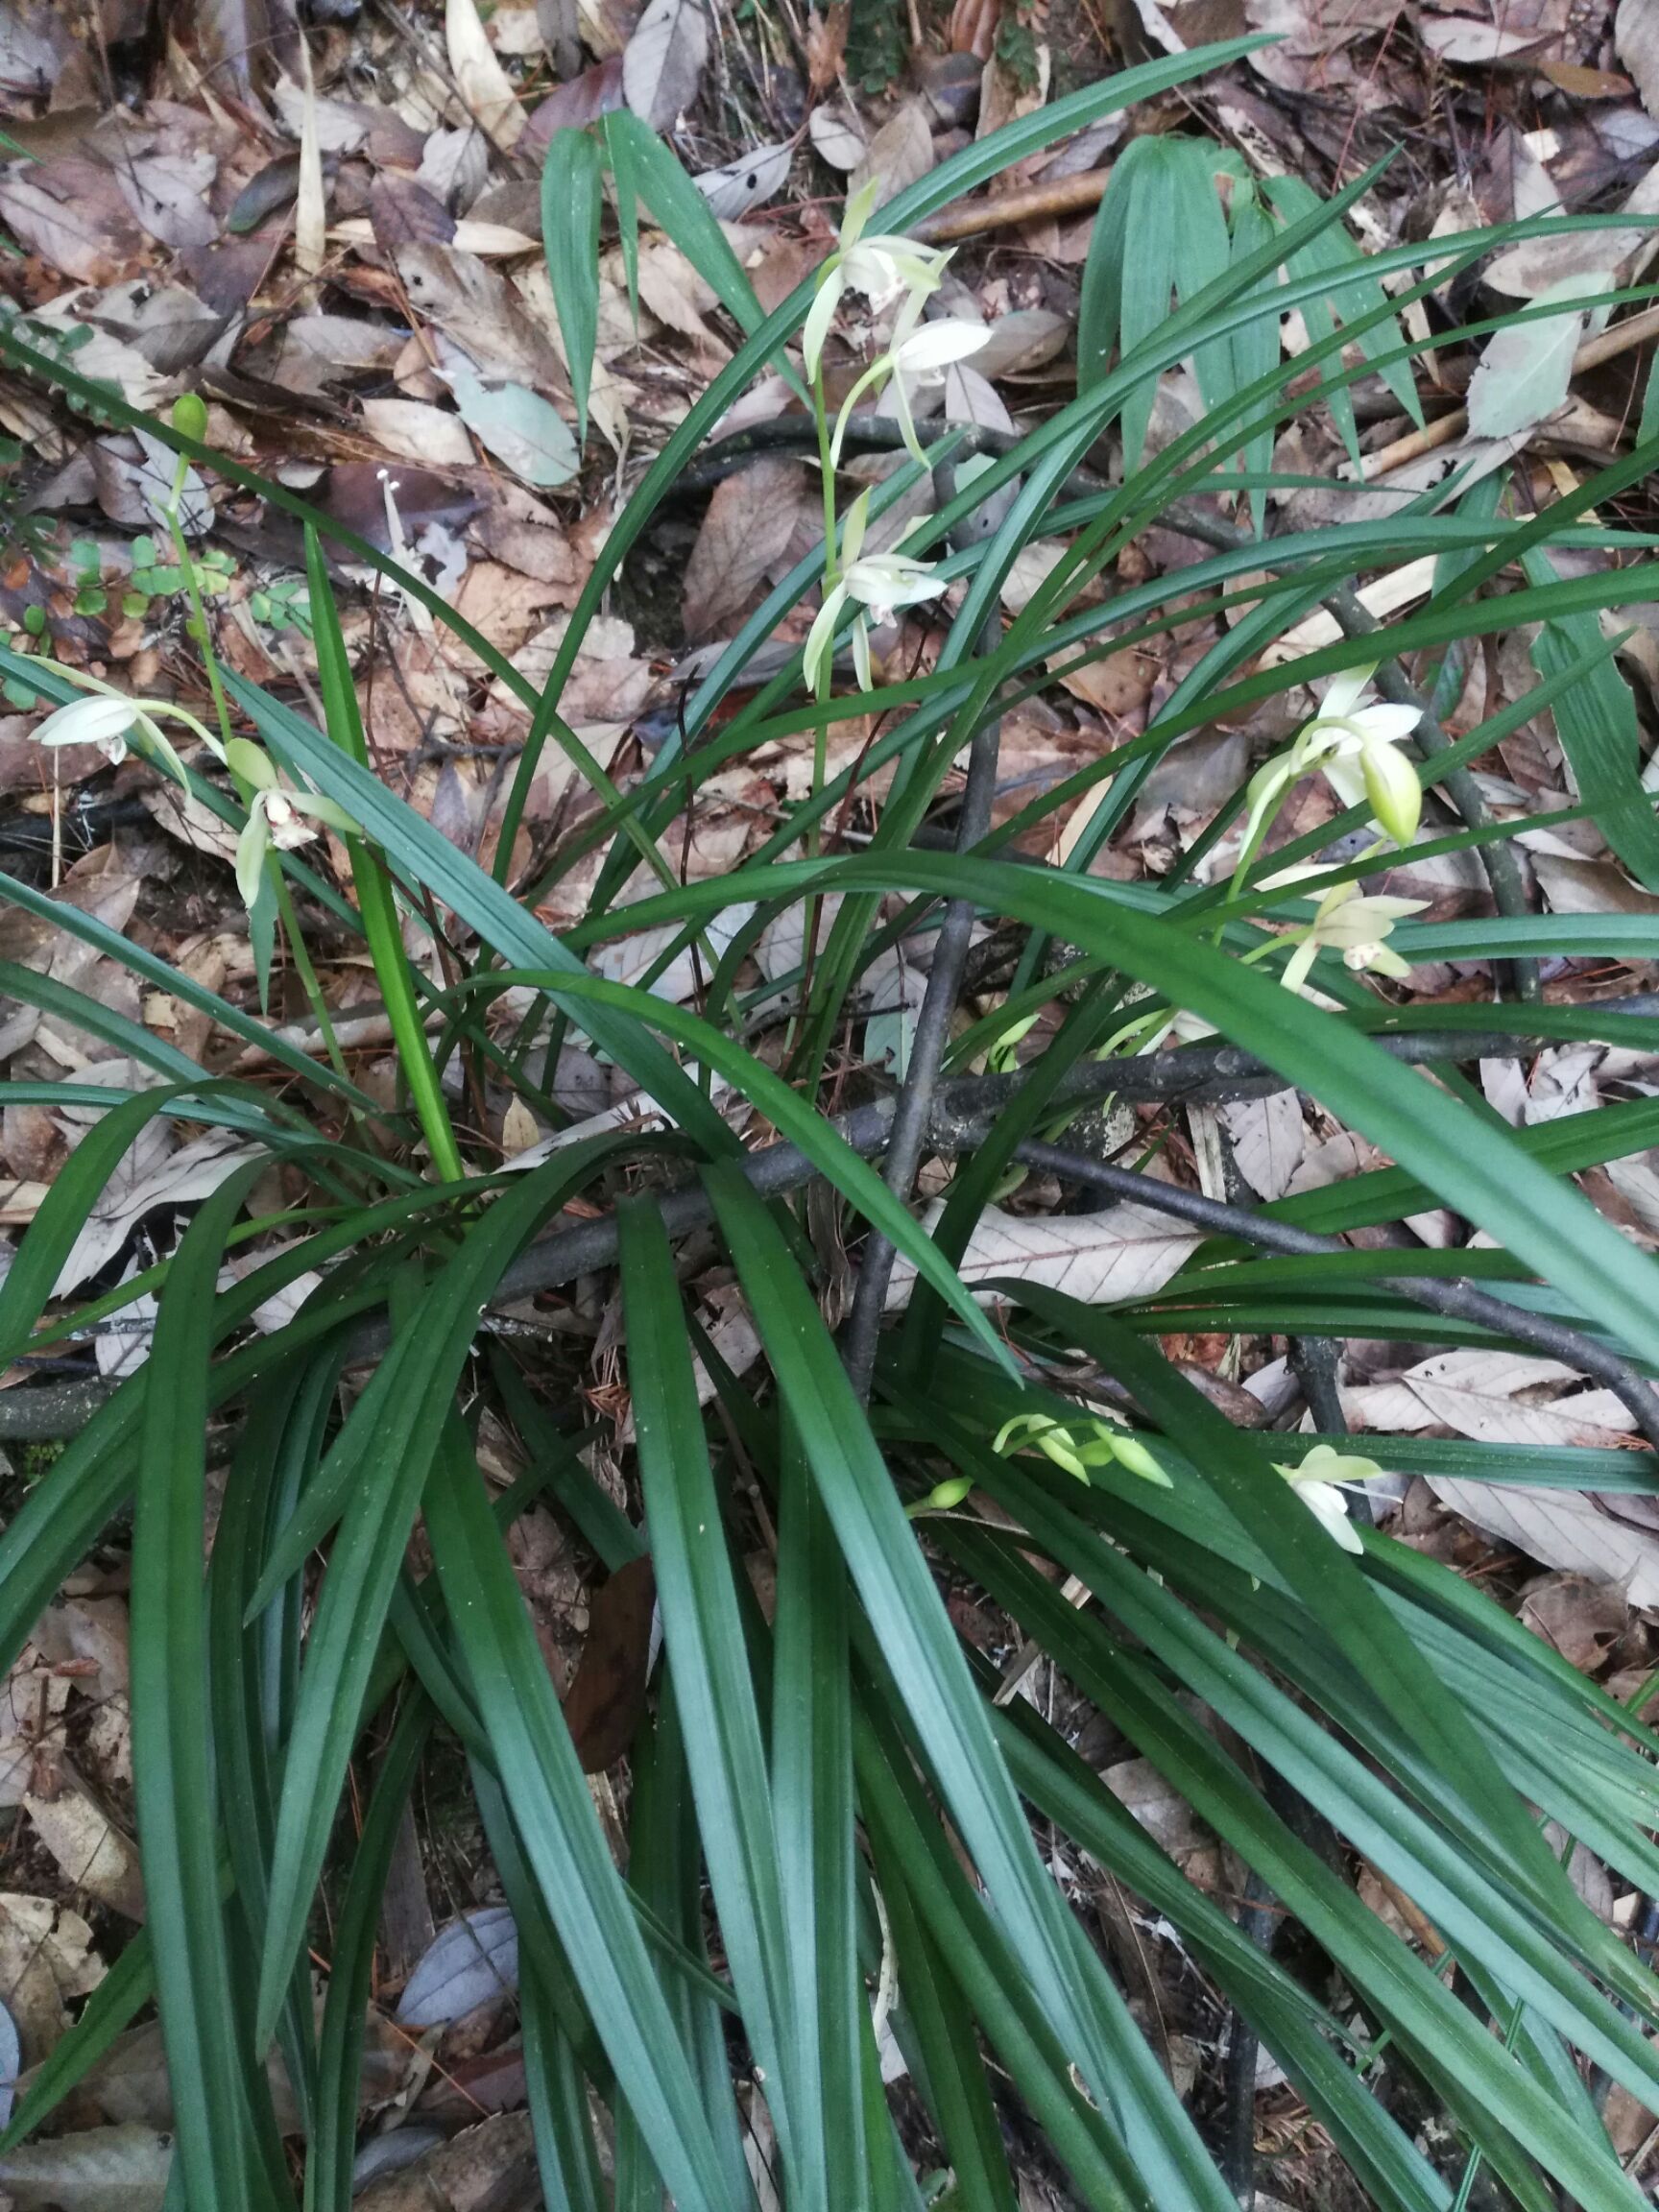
[(562, 1840), (570, 203), (178, 1821), (898, 1597), (368, 1554), (713, 1693)]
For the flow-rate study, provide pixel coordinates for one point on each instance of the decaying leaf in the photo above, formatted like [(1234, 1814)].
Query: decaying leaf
[(1126, 1252), (1636, 38), (92, 1853), (1564, 1528), (751, 522), (1269, 1137), (46, 1962), (101, 2169), (411, 431), (901, 152), (469, 1962), (744, 183), (662, 63), (489, 2167), (151, 1175), (837, 137), (1494, 1398), (1464, 39), (518, 426), (607, 1695), (483, 83), (72, 213), (1522, 375)]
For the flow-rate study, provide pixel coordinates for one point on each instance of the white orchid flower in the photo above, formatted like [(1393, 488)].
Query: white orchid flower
[(95, 721), (283, 820), (1355, 741), (107, 719), (882, 582), (1355, 745), (1355, 927), (1320, 1480), (918, 357), (883, 269)]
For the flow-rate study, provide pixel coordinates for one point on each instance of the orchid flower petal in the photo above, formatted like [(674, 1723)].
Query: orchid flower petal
[(820, 636), (93, 721), (251, 848)]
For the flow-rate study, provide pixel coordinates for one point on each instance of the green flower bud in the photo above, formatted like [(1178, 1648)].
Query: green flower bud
[(942, 1497), (1130, 1452), (190, 415), (1392, 790)]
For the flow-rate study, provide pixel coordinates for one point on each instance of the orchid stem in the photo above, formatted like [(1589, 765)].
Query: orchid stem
[(297, 949)]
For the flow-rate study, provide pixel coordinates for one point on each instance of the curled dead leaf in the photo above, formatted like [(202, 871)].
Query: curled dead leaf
[(479, 77)]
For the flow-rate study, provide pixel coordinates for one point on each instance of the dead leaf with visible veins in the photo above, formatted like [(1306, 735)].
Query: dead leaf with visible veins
[(747, 529), (72, 214), (1128, 1251), (1269, 1137), (46, 1961), (478, 311), (662, 63), (91, 1851), (900, 153), (410, 430)]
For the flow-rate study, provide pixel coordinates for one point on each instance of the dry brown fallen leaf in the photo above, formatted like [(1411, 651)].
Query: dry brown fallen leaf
[(92, 1852), (901, 152), (751, 521), (103, 2170), (607, 1693), (1636, 41), (1126, 1252), (46, 1962), (662, 62), (1577, 1616), (479, 77), (490, 2168)]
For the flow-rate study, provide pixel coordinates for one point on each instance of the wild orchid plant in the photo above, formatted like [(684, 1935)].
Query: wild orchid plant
[(829, 1803)]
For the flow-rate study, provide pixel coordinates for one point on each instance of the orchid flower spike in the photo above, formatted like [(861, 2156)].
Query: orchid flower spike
[(882, 582), (1319, 1480), (1076, 1446), (881, 268), (279, 819), (918, 357), (1345, 923), (1355, 741)]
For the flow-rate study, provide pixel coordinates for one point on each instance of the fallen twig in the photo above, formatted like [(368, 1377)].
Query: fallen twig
[(1459, 1300), (1060, 195), (1446, 429)]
